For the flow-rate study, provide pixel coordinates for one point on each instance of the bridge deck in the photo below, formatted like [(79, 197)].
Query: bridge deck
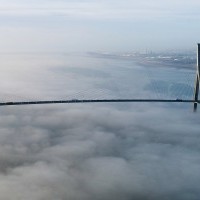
[(97, 101)]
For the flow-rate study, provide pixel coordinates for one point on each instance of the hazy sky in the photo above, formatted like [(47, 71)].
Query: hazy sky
[(84, 25)]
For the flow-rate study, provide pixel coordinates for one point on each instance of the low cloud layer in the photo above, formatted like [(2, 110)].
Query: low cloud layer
[(99, 152), (93, 151)]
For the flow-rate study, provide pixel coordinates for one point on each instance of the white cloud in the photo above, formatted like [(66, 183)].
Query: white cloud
[(68, 152)]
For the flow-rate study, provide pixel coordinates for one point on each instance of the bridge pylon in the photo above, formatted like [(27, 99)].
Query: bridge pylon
[(196, 86)]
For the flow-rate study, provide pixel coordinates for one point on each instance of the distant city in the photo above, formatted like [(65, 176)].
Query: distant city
[(182, 60)]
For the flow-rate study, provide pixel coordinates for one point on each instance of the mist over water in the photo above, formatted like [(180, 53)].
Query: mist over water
[(95, 151), (82, 76)]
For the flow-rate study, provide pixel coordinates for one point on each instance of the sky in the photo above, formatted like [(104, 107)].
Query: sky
[(98, 25), (96, 151)]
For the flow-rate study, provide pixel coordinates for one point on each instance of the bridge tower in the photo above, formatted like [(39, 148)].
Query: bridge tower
[(196, 87)]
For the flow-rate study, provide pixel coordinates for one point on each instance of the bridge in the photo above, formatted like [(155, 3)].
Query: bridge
[(195, 99), (98, 101)]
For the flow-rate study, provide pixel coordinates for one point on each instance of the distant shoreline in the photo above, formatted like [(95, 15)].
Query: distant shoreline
[(144, 62), (165, 65)]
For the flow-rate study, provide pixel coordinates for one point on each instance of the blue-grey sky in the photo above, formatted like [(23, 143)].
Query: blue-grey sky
[(85, 25)]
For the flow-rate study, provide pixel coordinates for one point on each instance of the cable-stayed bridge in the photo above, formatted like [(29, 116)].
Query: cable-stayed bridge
[(98, 101), (167, 86)]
